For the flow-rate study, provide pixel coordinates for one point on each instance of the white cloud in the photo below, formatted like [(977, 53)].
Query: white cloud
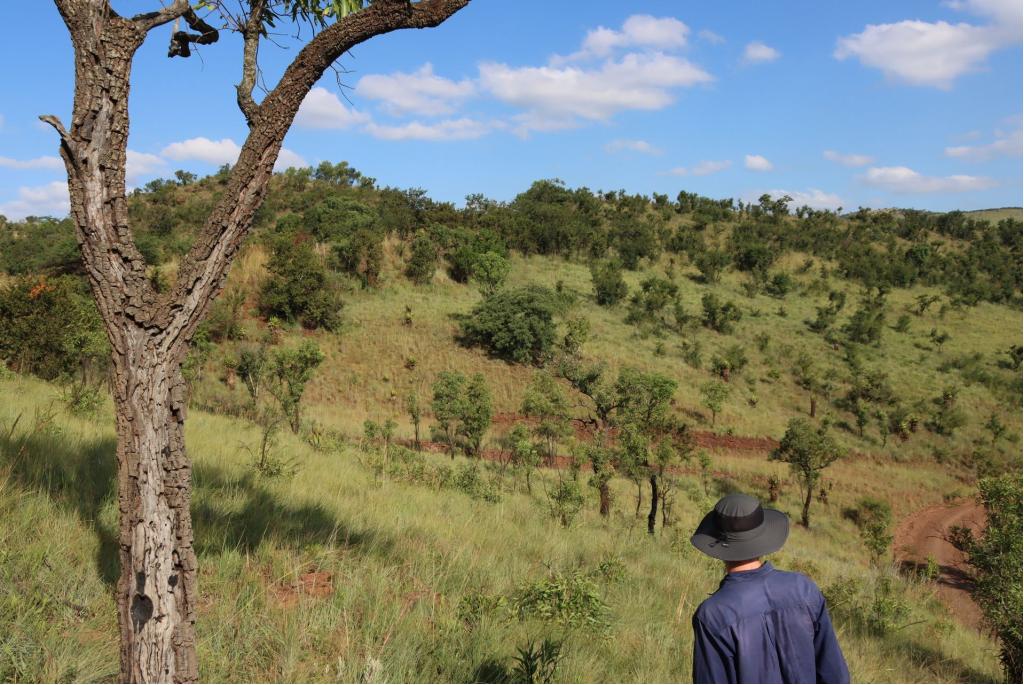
[(639, 30), (140, 164), (451, 129), (1007, 14), (922, 53), (555, 97), (710, 37), (757, 52), (224, 151), (287, 158), (322, 109), (757, 163), (47, 200), (643, 146), (37, 163), (703, 168), (812, 197), (1006, 143), (421, 92), (850, 159), (900, 179)]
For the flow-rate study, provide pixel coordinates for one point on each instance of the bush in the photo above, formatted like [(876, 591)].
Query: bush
[(656, 307), (423, 260), (299, 287), (515, 325), (719, 316), (490, 270), (570, 600), (874, 519), (566, 501), (609, 286)]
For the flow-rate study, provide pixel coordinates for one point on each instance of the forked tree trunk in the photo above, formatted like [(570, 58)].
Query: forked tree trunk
[(148, 331)]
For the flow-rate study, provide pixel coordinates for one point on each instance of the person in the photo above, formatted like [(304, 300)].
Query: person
[(762, 625)]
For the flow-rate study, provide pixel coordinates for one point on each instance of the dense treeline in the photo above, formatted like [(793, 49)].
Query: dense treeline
[(338, 207)]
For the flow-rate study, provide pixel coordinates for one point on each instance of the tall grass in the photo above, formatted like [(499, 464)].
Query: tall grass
[(400, 558)]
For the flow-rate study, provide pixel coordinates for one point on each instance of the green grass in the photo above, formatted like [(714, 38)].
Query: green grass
[(402, 557), (996, 215)]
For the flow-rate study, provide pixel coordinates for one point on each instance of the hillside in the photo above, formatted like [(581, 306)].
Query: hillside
[(337, 552)]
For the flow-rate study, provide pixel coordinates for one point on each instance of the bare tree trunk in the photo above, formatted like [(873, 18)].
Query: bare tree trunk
[(805, 517), (157, 591), (605, 494), (814, 406), (652, 516)]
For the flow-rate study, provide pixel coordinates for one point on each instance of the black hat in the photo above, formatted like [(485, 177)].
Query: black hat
[(739, 528)]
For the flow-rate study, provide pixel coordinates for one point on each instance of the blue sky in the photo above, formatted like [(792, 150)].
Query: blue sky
[(835, 103)]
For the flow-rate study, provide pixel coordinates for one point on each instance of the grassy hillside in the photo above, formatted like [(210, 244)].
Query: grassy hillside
[(338, 574), (363, 560), (996, 215)]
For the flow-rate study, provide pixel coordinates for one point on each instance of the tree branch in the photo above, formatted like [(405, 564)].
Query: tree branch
[(150, 20), (251, 33), (180, 39), (203, 270)]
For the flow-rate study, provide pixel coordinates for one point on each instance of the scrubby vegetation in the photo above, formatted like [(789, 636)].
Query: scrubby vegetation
[(656, 351)]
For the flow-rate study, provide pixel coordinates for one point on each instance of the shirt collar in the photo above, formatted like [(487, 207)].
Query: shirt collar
[(761, 572)]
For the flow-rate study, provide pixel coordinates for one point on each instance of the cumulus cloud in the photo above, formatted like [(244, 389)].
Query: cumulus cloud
[(1005, 144), (322, 109), (901, 179), (451, 129), (757, 163), (710, 37), (557, 96), (421, 92), (639, 30), (757, 52), (46, 200), (224, 151), (287, 158), (812, 197), (703, 168), (37, 163), (642, 146), (139, 164), (850, 159), (1007, 15)]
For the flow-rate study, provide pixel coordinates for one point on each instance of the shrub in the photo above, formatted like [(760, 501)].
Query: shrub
[(516, 325), (292, 369), (566, 501), (462, 410), (299, 287), (656, 306), (873, 517), (571, 600), (719, 316), (490, 269), (609, 286), (423, 260)]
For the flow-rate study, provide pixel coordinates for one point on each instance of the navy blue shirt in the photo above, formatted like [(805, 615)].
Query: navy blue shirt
[(766, 626)]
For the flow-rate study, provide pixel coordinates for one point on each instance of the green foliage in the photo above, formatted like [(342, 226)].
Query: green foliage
[(571, 600), (516, 325), (292, 369), (51, 329), (713, 395), (866, 324), (565, 501), (609, 286), (299, 287), (947, 417), (808, 451), (537, 663), (873, 517), (462, 410), (490, 269), (545, 402), (719, 316), (995, 557), (657, 307), (422, 260), (711, 263)]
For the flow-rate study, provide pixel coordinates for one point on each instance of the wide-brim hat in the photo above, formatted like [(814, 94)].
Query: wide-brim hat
[(739, 528)]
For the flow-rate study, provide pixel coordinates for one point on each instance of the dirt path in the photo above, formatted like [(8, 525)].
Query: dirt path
[(923, 534)]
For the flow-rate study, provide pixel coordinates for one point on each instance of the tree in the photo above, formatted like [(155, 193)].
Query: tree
[(462, 410), (415, 411), (516, 325), (475, 413), (713, 395), (490, 270), (448, 393), (995, 557), (545, 403), (609, 286), (873, 517), (149, 331), (291, 370), (423, 260), (808, 451)]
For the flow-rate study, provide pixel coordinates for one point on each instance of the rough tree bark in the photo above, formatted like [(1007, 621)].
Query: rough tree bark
[(652, 515), (149, 332)]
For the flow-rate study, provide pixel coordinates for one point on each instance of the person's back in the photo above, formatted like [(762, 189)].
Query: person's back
[(766, 626), (762, 625)]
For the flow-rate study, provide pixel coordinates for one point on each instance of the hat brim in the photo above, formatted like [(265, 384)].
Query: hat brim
[(772, 535)]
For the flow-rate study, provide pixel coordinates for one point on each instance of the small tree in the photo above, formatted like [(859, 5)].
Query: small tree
[(292, 369), (545, 402), (704, 459), (422, 260), (448, 396), (251, 366), (515, 325), (719, 316), (299, 287), (609, 286), (490, 270), (995, 556), (713, 395), (415, 411), (873, 517), (808, 451), (475, 413), (462, 410)]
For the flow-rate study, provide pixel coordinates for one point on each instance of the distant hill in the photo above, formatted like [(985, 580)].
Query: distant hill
[(997, 214)]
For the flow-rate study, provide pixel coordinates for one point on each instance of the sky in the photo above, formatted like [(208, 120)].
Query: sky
[(837, 104)]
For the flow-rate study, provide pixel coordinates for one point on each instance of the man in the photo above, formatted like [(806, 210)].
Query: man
[(761, 625)]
